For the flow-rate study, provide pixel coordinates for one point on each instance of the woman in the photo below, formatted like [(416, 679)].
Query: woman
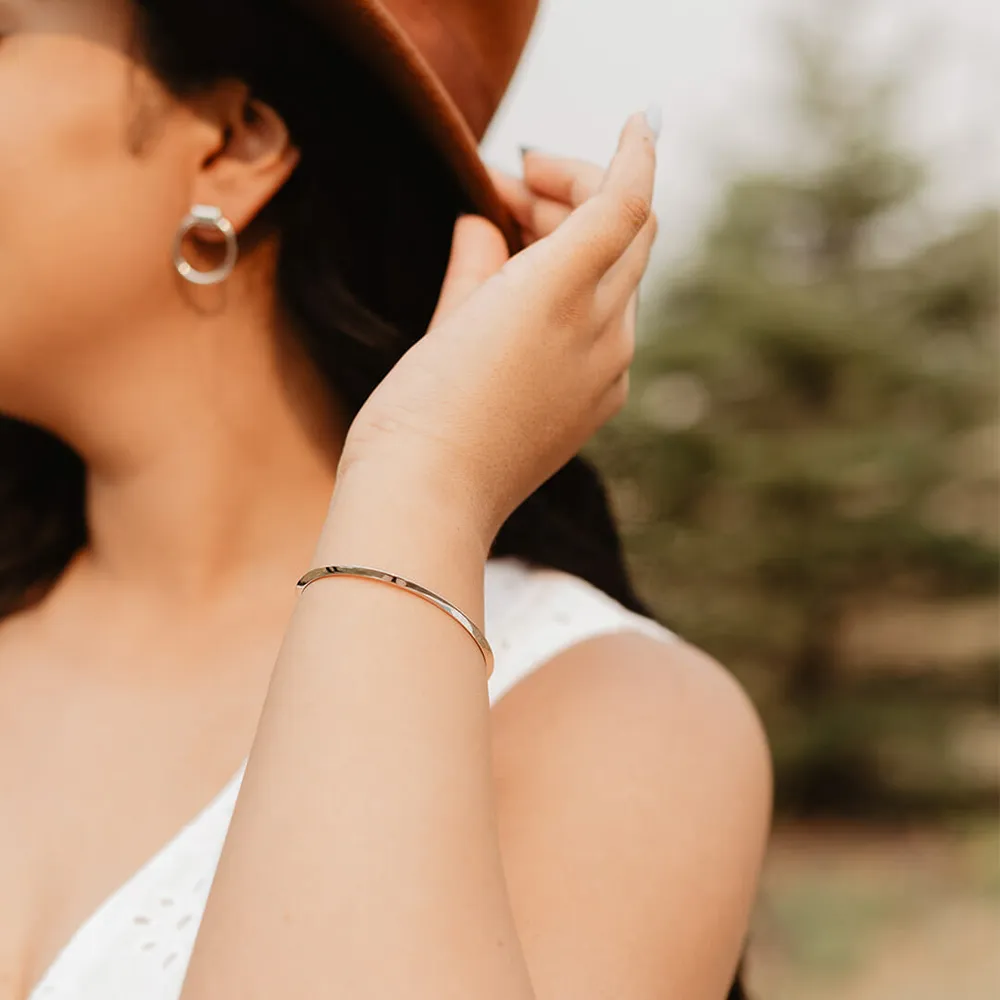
[(227, 229)]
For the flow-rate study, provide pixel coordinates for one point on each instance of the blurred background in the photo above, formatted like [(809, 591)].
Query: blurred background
[(808, 473)]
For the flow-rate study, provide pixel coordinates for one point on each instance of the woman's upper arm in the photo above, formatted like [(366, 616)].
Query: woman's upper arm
[(634, 794)]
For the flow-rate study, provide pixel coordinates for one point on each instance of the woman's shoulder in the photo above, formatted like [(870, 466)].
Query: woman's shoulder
[(534, 613), (542, 616), (626, 762)]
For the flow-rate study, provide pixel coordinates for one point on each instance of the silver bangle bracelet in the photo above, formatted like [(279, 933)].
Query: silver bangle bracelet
[(368, 573)]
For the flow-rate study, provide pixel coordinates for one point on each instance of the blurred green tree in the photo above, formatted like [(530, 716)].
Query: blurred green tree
[(809, 441)]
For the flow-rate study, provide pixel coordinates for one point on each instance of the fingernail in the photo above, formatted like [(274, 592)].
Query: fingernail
[(654, 116)]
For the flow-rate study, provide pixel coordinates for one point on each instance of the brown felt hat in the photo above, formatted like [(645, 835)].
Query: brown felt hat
[(450, 62)]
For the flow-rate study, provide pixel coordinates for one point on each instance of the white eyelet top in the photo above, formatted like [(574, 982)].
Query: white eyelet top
[(138, 943)]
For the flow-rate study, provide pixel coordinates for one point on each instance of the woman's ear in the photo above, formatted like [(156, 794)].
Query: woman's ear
[(253, 158)]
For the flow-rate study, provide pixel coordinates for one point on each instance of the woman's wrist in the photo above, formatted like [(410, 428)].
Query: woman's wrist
[(374, 511), (403, 526)]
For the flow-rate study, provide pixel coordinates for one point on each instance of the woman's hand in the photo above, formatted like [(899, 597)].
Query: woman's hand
[(526, 357)]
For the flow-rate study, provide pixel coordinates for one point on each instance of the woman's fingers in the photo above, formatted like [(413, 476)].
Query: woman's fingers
[(547, 216), (618, 303), (620, 284), (618, 394), (537, 217), (478, 251), (561, 179), (516, 195), (598, 234), (551, 189), (601, 227), (618, 306)]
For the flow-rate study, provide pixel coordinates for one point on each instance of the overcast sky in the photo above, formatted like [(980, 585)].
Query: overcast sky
[(711, 65)]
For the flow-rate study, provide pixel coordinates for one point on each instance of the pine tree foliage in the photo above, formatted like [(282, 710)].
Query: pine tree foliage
[(813, 435)]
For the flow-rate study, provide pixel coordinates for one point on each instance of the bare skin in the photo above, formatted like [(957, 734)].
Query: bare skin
[(208, 488)]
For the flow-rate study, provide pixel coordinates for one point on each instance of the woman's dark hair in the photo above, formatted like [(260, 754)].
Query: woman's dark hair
[(365, 226)]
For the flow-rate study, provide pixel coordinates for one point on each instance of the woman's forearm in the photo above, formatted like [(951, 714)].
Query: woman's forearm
[(363, 858)]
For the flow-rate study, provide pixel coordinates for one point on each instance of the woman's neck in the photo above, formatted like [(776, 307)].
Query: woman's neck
[(211, 453)]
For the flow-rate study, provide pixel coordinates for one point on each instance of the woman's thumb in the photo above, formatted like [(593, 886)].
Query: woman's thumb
[(478, 251)]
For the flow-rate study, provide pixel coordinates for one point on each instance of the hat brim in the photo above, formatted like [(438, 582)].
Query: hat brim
[(379, 41)]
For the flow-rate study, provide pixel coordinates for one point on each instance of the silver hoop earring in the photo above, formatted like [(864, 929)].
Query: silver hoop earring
[(206, 215)]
